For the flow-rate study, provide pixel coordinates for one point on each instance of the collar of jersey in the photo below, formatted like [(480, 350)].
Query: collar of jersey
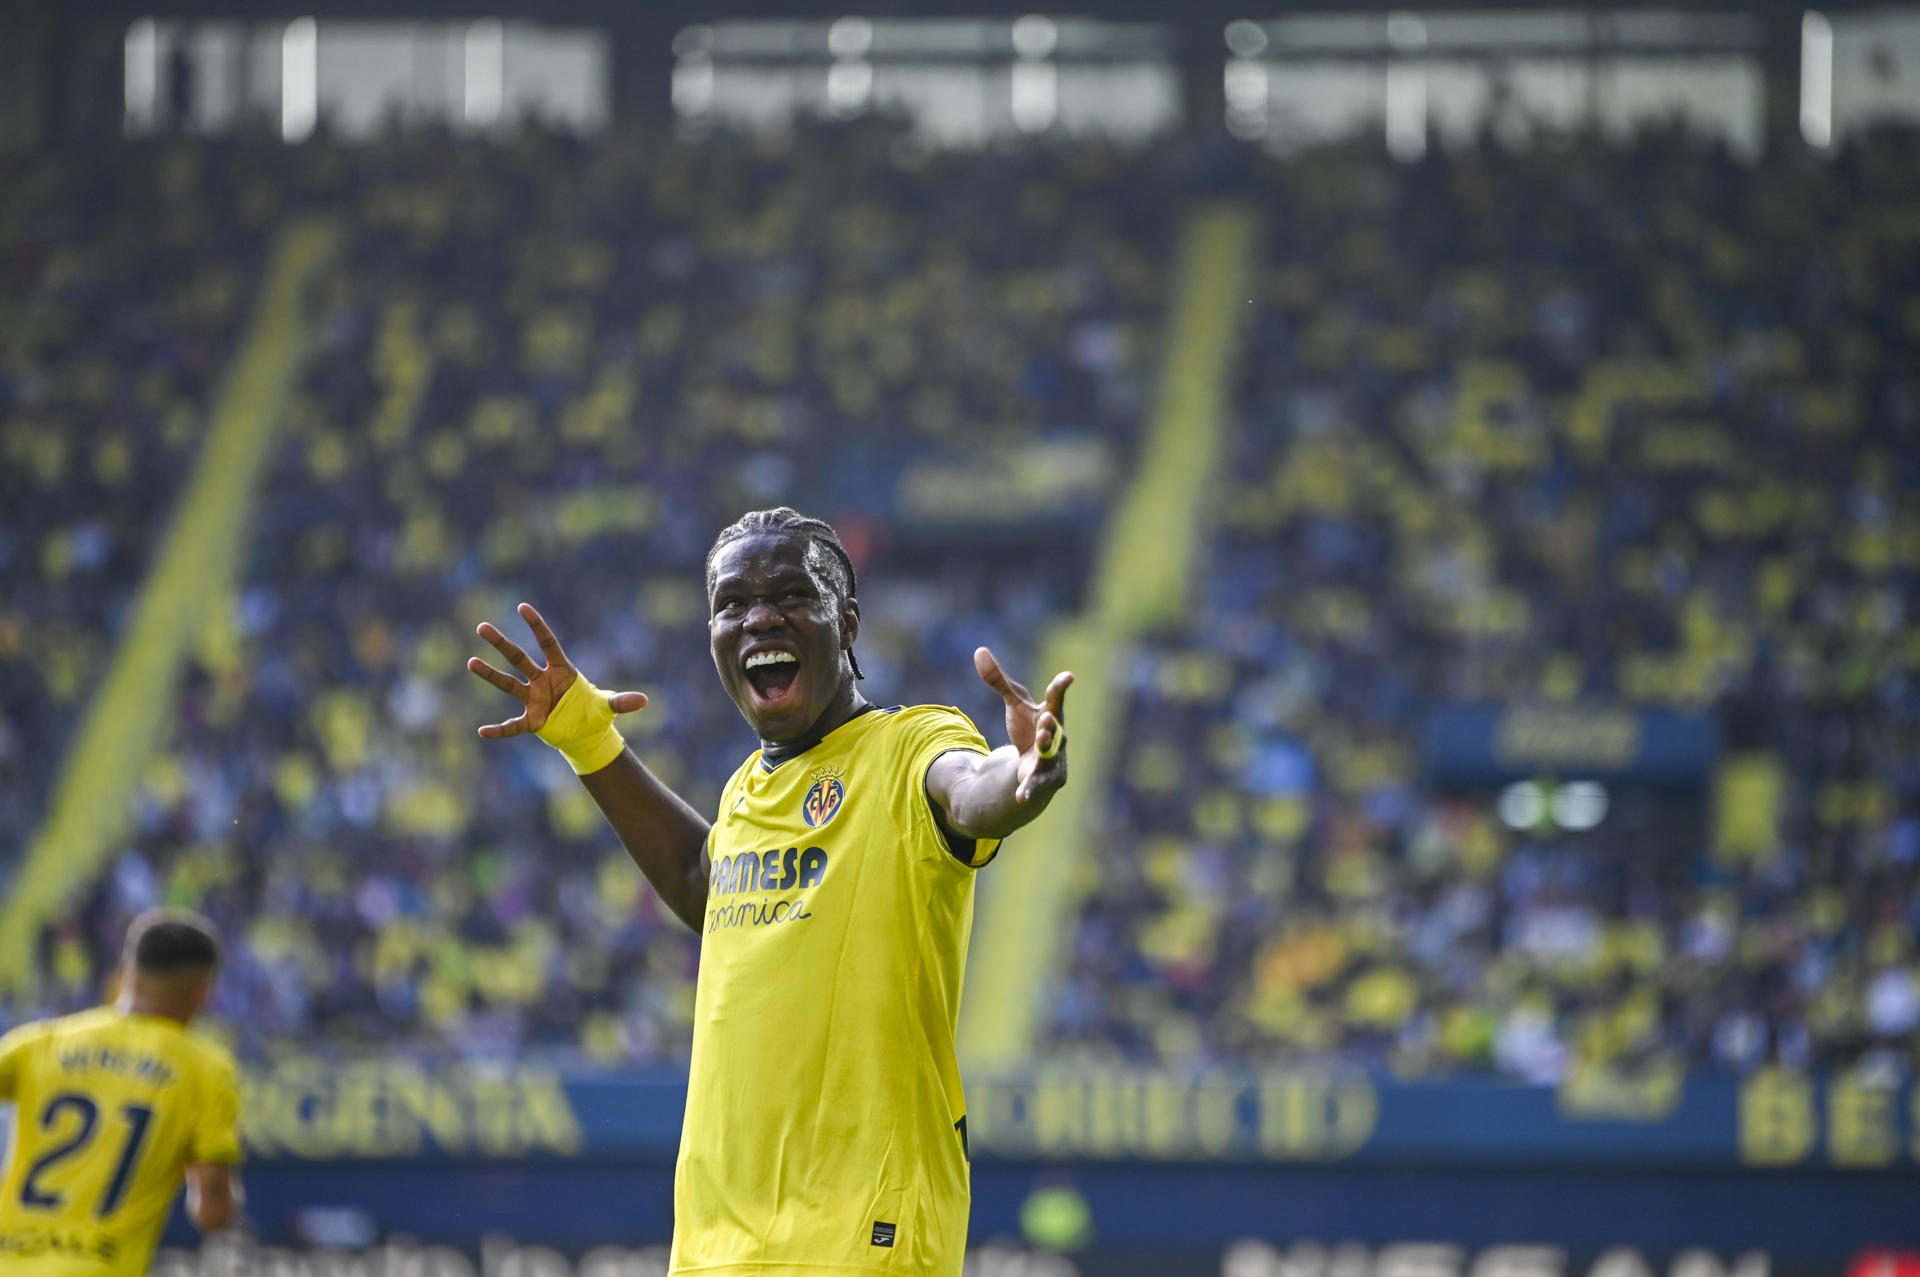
[(858, 714)]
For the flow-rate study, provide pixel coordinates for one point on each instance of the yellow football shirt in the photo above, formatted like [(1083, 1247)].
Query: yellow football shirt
[(825, 1126), (110, 1109)]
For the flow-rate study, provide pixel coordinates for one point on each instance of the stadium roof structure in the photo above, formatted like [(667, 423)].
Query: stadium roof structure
[(83, 39), (653, 13)]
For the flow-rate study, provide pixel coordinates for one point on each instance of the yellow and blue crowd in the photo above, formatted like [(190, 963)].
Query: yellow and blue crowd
[(1583, 426), (124, 277), (550, 369), (1630, 425)]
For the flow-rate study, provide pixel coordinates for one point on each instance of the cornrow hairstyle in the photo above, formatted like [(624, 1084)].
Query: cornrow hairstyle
[(823, 549)]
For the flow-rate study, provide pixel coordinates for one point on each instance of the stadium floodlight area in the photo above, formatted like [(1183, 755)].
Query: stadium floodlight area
[(1411, 77), (299, 79), (1309, 79), (1873, 68), (958, 82), (357, 78)]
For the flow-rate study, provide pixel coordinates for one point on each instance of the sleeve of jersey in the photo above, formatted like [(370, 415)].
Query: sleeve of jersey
[(216, 1135), (933, 730), (13, 1053)]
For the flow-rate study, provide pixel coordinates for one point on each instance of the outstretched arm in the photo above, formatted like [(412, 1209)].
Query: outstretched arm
[(991, 795), (665, 836)]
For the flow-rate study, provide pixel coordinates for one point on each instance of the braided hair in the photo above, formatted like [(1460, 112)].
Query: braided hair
[(824, 551)]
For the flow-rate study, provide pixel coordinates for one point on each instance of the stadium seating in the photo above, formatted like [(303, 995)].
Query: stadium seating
[(552, 371), (125, 274), (1593, 426)]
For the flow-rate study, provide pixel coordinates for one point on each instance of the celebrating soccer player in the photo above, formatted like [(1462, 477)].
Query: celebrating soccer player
[(113, 1108), (825, 1128)]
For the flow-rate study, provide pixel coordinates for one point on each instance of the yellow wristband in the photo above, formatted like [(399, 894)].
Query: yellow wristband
[(1055, 742), (581, 728)]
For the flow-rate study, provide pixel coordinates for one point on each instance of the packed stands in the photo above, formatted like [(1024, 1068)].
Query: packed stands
[(1635, 426), (1632, 426), (124, 278), (552, 370)]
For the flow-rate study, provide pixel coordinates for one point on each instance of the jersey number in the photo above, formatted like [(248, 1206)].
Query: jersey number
[(138, 1118)]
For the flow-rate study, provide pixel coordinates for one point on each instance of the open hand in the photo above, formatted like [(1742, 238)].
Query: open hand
[(1037, 729), (544, 686)]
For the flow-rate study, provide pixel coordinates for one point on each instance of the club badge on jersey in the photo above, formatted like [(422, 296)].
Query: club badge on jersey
[(823, 799)]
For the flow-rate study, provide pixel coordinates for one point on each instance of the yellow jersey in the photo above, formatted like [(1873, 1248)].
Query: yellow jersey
[(109, 1110), (825, 1128)]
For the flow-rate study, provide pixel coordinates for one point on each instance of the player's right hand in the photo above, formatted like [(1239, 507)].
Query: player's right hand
[(545, 685), (1037, 730)]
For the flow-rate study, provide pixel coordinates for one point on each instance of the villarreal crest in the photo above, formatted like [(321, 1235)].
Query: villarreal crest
[(823, 801)]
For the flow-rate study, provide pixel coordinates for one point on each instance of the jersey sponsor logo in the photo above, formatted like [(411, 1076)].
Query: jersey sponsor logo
[(823, 801), (770, 870), (31, 1242), (748, 913), (755, 871), (883, 1233)]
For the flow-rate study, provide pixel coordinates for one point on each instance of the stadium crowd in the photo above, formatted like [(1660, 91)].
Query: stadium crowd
[(1631, 425), (1612, 426), (552, 370), (124, 276)]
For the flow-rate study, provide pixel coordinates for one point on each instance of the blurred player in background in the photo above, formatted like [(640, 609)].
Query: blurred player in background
[(113, 1107), (825, 1127)]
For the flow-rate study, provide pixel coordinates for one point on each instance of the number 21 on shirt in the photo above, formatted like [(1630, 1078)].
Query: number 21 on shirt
[(136, 1118)]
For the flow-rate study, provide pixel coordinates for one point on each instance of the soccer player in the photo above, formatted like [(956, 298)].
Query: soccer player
[(825, 1128), (112, 1108)]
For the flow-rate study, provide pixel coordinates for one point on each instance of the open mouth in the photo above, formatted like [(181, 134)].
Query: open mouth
[(771, 675)]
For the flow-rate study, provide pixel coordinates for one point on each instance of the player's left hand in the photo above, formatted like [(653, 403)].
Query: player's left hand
[(1037, 729)]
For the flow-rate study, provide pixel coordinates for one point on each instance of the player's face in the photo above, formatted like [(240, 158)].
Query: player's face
[(778, 634)]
